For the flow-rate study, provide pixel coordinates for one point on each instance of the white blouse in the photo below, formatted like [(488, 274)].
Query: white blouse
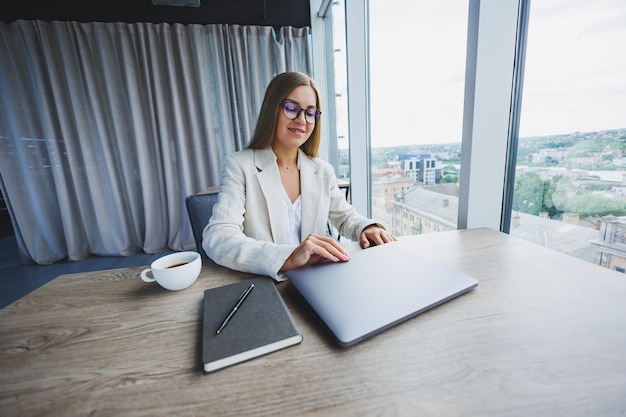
[(293, 213), (294, 219)]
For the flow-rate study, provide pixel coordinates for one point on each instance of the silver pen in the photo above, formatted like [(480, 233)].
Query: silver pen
[(241, 299)]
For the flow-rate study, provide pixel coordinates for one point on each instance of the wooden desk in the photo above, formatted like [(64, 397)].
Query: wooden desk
[(543, 334)]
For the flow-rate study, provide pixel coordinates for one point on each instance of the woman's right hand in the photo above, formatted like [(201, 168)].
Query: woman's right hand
[(314, 249)]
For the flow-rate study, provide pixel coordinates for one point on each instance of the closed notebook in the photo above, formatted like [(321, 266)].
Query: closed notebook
[(262, 324)]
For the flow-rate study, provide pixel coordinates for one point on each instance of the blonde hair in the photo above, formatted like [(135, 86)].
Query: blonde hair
[(276, 92)]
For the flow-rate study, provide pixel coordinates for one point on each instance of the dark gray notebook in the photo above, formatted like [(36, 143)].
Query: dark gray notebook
[(262, 324), (378, 288)]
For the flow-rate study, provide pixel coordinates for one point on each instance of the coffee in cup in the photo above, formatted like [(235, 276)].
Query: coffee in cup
[(175, 271)]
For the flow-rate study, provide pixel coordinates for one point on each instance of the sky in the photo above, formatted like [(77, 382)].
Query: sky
[(575, 78), (575, 73)]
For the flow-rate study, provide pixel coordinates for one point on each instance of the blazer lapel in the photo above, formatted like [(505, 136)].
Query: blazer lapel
[(269, 181), (311, 189)]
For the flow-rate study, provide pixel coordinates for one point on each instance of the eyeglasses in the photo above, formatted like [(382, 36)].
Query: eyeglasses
[(292, 111)]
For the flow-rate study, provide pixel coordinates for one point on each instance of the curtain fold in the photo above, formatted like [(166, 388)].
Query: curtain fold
[(106, 127)]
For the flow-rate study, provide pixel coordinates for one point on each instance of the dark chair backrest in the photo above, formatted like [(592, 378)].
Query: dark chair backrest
[(200, 208)]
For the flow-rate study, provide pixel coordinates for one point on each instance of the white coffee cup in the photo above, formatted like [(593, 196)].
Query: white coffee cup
[(175, 271)]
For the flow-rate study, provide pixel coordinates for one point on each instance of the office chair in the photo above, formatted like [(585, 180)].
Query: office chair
[(330, 229), (200, 208)]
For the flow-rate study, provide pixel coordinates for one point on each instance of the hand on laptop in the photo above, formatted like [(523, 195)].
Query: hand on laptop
[(375, 235), (314, 249)]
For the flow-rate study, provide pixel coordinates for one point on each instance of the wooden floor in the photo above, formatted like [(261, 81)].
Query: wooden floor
[(17, 279)]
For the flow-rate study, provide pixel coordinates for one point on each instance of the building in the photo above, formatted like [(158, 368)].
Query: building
[(423, 169), (569, 236), (546, 155), (424, 210), (392, 185), (611, 243)]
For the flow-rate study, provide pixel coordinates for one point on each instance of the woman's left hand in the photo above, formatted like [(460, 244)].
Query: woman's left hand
[(375, 235)]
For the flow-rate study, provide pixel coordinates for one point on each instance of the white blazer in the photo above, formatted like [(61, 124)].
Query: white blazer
[(247, 229)]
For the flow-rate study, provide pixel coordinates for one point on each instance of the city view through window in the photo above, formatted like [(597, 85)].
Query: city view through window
[(570, 191), (570, 178), (570, 182)]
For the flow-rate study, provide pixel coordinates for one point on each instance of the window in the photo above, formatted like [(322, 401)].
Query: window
[(573, 73), (417, 69), (571, 154), (341, 90)]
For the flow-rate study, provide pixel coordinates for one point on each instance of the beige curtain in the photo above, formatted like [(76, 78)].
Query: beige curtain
[(106, 127)]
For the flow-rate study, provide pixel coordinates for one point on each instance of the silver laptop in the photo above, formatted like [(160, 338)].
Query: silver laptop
[(377, 289)]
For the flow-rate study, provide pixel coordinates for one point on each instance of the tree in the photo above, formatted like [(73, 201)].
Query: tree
[(588, 204), (528, 193), (549, 187), (570, 200)]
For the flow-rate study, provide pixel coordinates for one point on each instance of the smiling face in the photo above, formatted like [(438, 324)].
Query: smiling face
[(291, 134)]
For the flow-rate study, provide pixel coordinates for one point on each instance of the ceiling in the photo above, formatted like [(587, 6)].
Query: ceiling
[(241, 12)]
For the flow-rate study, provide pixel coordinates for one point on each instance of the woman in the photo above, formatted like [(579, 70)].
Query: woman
[(276, 196)]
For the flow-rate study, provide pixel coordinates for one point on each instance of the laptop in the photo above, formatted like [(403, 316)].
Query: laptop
[(378, 288)]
